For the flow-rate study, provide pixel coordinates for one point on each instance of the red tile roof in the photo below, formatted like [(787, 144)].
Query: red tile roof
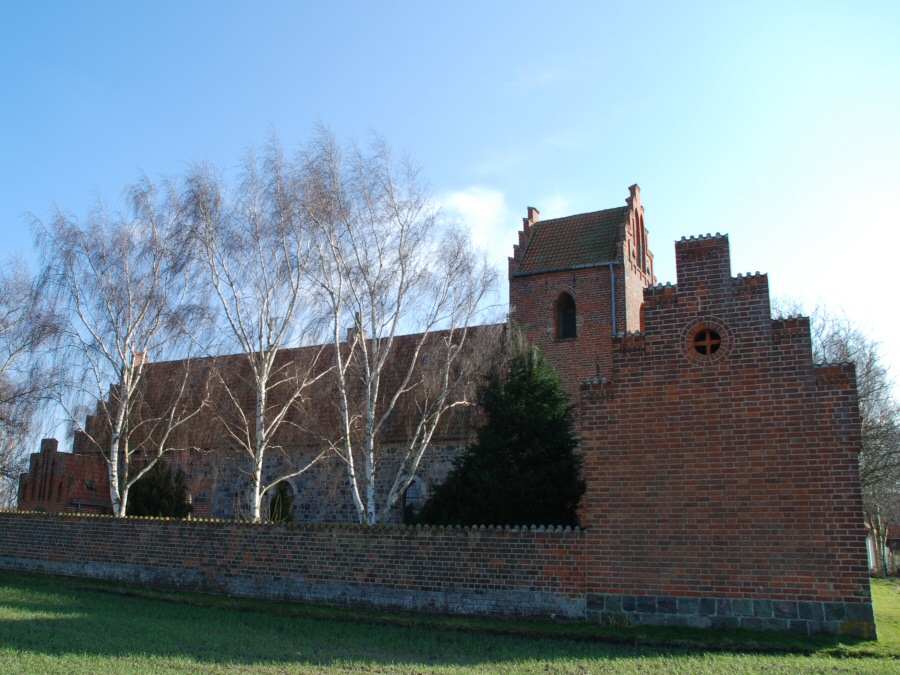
[(573, 241)]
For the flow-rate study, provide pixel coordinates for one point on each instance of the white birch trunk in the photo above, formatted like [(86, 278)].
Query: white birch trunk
[(256, 495), (255, 248), (390, 267)]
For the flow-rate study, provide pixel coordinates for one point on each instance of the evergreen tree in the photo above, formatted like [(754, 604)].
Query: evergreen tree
[(160, 494), (523, 469)]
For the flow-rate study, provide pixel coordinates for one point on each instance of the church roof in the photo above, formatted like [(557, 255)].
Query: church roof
[(573, 241)]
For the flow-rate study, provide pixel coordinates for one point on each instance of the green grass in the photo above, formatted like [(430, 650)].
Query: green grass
[(886, 596), (53, 625)]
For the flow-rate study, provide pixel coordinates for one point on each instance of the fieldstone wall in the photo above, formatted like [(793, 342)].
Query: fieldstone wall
[(807, 617)]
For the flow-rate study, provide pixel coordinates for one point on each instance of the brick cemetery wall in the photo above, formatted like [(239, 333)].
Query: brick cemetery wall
[(527, 572)]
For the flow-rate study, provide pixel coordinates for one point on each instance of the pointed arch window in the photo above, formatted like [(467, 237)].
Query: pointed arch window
[(411, 502), (281, 505), (567, 326)]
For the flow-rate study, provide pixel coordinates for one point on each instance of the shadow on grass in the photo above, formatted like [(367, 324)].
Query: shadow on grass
[(60, 617)]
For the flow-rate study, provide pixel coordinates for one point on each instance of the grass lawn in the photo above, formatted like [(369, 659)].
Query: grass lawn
[(886, 596), (52, 625)]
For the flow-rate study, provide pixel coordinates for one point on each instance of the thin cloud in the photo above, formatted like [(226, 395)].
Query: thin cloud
[(554, 206), (492, 223)]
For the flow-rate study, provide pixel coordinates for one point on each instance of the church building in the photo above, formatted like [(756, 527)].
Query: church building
[(721, 463)]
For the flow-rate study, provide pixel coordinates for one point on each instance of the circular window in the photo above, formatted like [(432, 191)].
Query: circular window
[(705, 342)]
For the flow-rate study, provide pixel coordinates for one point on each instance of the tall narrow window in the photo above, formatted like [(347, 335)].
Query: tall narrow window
[(281, 506), (566, 319), (411, 503)]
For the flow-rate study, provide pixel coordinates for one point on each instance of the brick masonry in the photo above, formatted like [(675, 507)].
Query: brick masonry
[(219, 472), (608, 295), (54, 478), (518, 572), (218, 482), (721, 466), (727, 478)]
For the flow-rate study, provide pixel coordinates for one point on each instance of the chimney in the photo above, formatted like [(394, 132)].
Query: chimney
[(49, 444), (140, 359)]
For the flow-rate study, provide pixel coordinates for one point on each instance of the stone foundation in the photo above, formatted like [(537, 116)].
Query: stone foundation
[(803, 617)]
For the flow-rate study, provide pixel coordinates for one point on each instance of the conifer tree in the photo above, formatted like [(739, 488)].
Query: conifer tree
[(159, 493), (523, 468)]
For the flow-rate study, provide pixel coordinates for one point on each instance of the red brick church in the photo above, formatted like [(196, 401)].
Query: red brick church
[(576, 283), (719, 459)]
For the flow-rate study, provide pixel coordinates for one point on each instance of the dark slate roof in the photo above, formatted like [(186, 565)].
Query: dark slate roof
[(573, 241)]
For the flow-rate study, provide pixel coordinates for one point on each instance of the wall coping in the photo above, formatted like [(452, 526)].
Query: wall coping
[(301, 525)]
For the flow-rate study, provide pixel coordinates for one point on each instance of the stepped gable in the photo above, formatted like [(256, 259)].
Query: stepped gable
[(62, 481), (576, 282), (721, 463), (573, 241)]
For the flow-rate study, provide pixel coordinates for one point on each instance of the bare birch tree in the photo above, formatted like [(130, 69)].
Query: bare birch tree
[(882, 506), (26, 326), (254, 247), (410, 288), (121, 287)]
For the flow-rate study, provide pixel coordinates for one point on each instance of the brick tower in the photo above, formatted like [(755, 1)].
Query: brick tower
[(576, 282)]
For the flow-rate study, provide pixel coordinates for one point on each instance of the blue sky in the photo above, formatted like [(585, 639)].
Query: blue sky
[(777, 122)]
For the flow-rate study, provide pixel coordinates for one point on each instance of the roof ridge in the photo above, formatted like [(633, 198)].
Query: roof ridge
[(580, 215)]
